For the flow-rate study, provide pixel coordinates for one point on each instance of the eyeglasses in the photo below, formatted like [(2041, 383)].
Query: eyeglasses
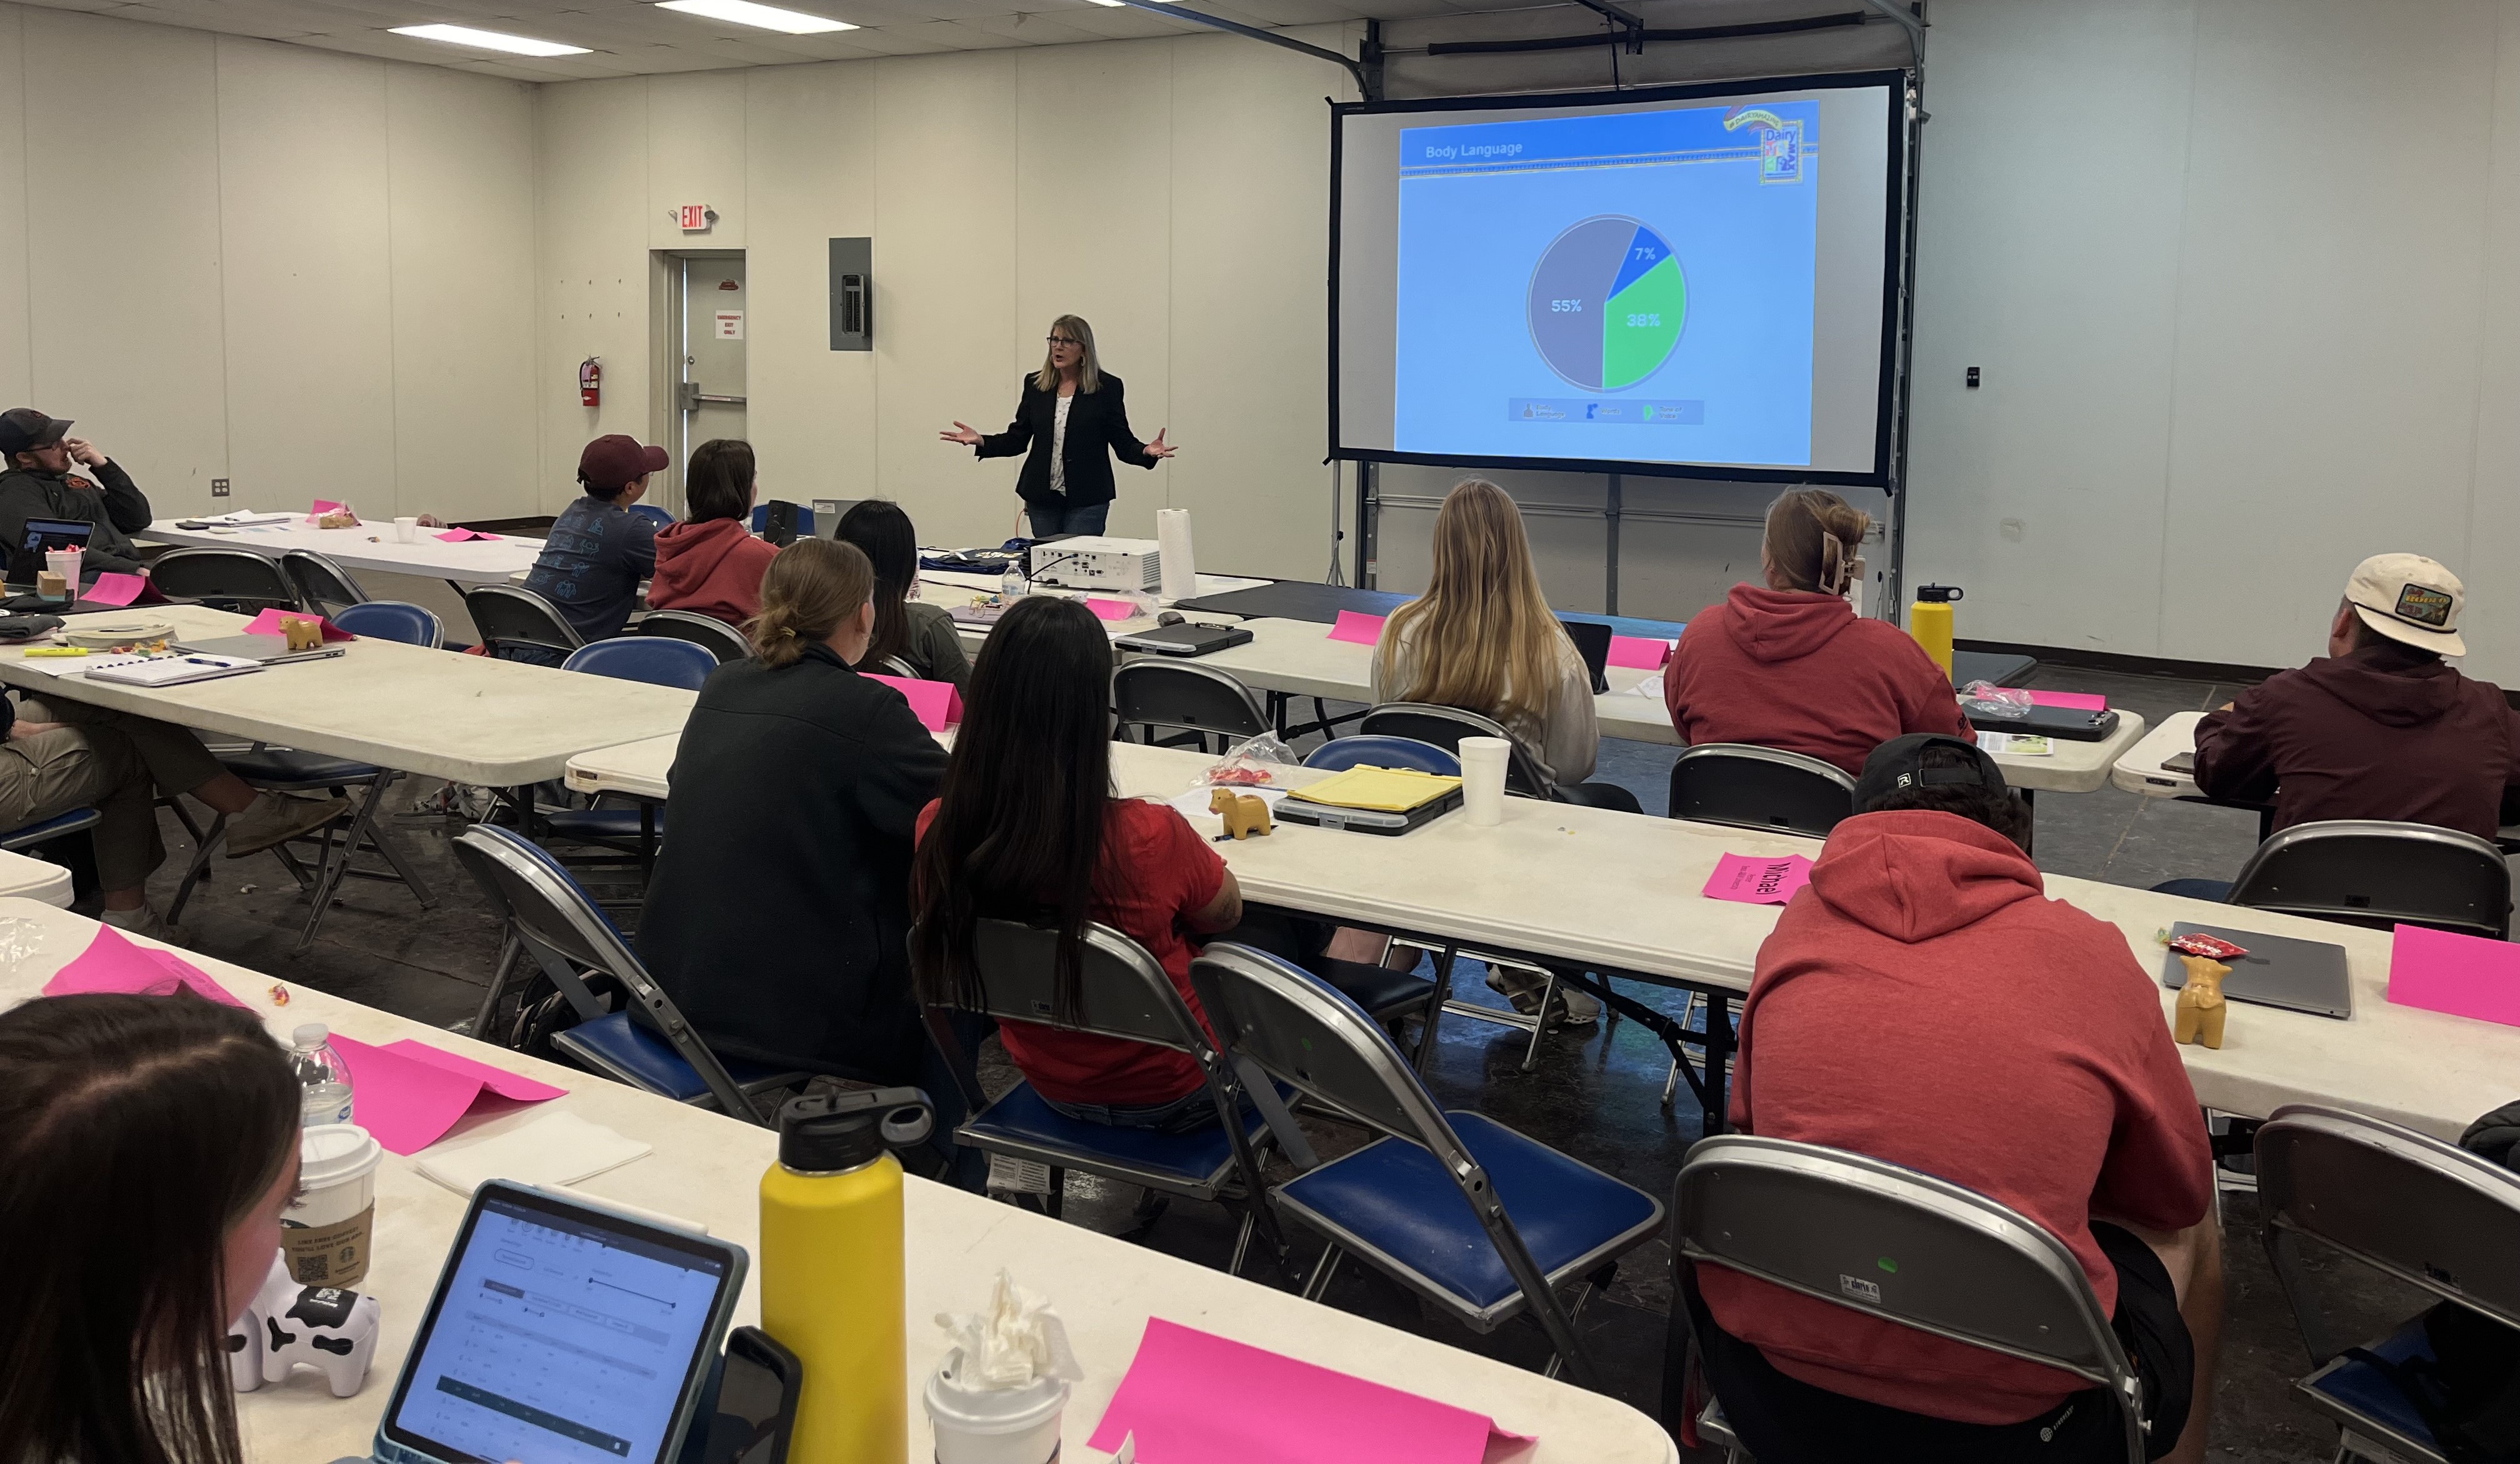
[(1065, 340)]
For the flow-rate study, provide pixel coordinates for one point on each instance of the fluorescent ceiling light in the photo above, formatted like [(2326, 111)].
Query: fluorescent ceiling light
[(1115, 4), (761, 17), (488, 40)]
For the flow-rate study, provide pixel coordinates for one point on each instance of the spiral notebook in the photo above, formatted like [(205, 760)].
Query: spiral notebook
[(165, 670)]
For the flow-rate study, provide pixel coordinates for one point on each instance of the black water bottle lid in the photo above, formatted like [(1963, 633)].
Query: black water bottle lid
[(1937, 594), (826, 1132)]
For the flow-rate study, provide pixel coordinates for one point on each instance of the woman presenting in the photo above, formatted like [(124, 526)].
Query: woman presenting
[(1070, 412)]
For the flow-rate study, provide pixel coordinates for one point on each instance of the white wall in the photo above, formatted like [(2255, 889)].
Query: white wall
[(1172, 192), (307, 272)]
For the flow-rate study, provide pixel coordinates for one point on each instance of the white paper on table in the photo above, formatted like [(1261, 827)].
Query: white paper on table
[(1194, 802), (1651, 686), (2016, 744), (551, 1148)]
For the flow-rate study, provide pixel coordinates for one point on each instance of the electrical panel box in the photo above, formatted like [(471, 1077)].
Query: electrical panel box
[(852, 294)]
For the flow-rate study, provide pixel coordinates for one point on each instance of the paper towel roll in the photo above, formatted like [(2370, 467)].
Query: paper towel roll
[(1171, 541)]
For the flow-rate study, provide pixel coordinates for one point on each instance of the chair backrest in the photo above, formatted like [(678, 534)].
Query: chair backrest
[(506, 616), (1446, 726), (1760, 788), (2430, 1214), (393, 621), (1342, 753), (655, 659), (231, 579), (1900, 1245), (721, 639), (321, 584), (550, 911), (783, 522), (2370, 873), (895, 666), (1201, 699), (653, 514)]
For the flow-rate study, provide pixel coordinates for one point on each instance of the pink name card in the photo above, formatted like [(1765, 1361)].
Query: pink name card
[(1110, 609), (1753, 880), (1639, 652), (2463, 975), (409, 1094), (113, 964), (938, 704), (2070, 701), (115, 589), (459, 536), (268, 623), (1357, 628)]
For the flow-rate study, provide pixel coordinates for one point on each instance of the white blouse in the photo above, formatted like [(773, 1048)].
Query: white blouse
[(1059, 448)]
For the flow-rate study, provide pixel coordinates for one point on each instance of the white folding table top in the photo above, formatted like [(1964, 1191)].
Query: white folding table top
[(706, 1168), (2140, 770), (23, 876), (470, 718), (370, 546)]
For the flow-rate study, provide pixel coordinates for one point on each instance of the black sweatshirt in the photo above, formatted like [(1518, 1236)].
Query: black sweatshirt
[(112, 502)]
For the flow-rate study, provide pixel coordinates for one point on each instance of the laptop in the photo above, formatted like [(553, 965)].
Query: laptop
[(45, 535), (2071, 723), (270, 650), (1592, 641), (2278, 971), (1183, 640), (562, 1332)]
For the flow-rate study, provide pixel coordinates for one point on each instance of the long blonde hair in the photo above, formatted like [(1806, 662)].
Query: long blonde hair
[(810, 588), (1482, 637), (1088, 370), (1816, 540)]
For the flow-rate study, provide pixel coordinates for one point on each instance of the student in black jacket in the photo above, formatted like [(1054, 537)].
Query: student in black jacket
[(779, 910), (38, 485), (1069, 414)]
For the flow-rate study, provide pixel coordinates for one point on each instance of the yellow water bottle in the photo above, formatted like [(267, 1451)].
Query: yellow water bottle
[(832, 1269), (1929, 620)]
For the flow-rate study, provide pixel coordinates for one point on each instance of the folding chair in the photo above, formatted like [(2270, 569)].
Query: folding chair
[(238, 580), (1893, 1243), (895, 666), (1198, 702), (1123, 993), (41, 837), (394, 620), (1760, 788), (322, 587), (1358, 748), (2365, 872), (1427, 1204), (722, 640), (658, 660), (1446, 726), (506, 616), (660, 517), (2429, 1214), (552, 923)]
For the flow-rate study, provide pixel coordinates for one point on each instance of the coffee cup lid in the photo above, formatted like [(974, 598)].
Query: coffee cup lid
[(335, 1153)]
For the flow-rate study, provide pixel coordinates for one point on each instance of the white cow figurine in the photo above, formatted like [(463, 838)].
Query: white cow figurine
[(335, 1330)]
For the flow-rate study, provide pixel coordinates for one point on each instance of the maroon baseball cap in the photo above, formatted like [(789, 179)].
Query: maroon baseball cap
[(612, 461)]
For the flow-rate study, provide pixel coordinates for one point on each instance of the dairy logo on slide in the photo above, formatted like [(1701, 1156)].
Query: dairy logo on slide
[(1606, 304)]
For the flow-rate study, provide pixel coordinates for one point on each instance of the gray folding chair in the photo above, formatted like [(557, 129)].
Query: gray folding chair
[(722, 639), (323, 588), (1427, 1204), (1760, 788), (506, 616), (895, 666), (1198, 702), (2429, 1214), (1446, 726), (1893, 1243), (2365, 872), (231, 579)]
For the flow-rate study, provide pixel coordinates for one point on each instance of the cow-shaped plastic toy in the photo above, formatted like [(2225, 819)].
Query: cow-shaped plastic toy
[(287, 1323)]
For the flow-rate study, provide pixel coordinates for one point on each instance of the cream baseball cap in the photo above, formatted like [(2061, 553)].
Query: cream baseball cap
[(2410, 599)]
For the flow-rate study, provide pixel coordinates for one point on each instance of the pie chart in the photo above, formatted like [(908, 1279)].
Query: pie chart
[(1606, 304)]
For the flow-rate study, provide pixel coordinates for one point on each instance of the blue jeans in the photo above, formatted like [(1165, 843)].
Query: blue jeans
[(1184, 1115), (1048, 520), (2217, 890)]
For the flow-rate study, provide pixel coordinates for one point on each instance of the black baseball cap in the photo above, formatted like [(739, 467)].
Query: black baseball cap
[(25, 428), (1900, 763)]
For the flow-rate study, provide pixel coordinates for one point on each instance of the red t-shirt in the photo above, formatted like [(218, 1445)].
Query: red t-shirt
[(1157, 871)]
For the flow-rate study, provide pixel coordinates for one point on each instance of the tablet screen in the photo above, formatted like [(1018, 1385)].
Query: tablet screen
[(560, 1336)]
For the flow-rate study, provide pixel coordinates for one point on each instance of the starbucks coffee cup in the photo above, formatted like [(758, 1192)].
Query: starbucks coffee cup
[(993, 1425), (326, 1233)]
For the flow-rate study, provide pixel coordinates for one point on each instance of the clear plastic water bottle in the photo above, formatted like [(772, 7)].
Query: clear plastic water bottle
[(1012, 586), (321, 1072)]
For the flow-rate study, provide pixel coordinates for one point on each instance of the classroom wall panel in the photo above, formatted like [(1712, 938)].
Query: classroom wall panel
[(2493, 621), (594, 284), (17, 362), (696, 147)]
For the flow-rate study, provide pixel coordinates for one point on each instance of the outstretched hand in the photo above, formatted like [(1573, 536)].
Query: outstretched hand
[(1158, 448), (962, 433)]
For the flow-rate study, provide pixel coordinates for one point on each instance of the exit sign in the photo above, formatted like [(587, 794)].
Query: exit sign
[(694, 217)]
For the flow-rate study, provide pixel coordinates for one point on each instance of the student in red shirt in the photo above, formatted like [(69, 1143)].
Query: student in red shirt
[(710, 564), (1026, 828), (1789, 665), (1923, 1003)]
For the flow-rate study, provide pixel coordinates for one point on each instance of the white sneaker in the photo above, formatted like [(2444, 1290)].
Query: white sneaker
[(146, 922), (275, 818)]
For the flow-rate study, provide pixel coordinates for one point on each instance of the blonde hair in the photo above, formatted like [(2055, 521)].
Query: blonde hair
[(1816, 540), (1088, 370), (1482, 637), (809, 591)]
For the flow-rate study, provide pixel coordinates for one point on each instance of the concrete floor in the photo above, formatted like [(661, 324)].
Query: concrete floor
[(1594, 1093)]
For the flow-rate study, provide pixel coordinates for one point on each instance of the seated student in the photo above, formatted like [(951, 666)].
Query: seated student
[(37, 483), (163, 1131), (1027, 828), (597, 551), (710, 564), (1925, 1003), (1789, 665), (921, 636), (780, 906), (2380, 728)]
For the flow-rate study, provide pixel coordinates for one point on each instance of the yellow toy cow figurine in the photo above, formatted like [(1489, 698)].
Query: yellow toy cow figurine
[(302, 634), (1244, 815), (2200, 1002)]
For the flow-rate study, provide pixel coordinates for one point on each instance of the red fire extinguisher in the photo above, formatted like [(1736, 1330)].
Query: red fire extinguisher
[(590, 383)]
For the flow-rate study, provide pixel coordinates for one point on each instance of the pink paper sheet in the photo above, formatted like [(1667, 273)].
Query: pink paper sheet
[(2070, 701), (1751, 881), (1640, 652), (1110, 609), (938, 704), (320, 508), (2464, 976), (1192, 1397), (409, 1094), (459, 536), (268, 623), (1357, 628), (113, 964), (115, 589)]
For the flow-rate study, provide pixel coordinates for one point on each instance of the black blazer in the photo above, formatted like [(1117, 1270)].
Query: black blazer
[(779, 916), (1095, 419)]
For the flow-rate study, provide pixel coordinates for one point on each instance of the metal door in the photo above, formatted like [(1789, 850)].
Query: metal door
[(709, 396)]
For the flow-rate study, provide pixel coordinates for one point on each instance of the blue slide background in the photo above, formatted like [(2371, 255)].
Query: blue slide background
[(1468, 241)]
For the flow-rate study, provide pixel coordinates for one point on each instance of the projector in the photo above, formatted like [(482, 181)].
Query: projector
[(1096, 562)]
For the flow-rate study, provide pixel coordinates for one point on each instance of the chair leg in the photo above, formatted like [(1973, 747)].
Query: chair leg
[(1434, 1012), (1322, 1270), (1242, 1244), (1540, 1026), (511, 952), (331, 865), (1056, 1200), (389, 848)]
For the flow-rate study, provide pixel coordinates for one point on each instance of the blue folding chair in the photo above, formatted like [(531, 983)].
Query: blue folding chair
[(553, 924), (393, 621), (1361, 749), (59, 826), (661, 518), (1125, 994), (657, 659), (1427, 1204)]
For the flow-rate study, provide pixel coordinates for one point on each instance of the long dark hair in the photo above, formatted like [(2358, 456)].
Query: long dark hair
[(136, 1131), (718, 482), (1020, 832), (879, 527)]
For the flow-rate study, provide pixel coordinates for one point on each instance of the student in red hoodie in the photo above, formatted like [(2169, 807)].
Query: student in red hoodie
[(710, 564), (1789, 665), (1923, 1003)]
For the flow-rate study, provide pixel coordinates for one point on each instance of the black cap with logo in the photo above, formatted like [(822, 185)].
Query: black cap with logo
[(1900, 763), (25, 428)]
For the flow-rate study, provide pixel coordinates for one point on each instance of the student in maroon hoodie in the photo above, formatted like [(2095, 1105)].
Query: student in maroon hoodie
[(1790, 663), (710, 563), (1923, 1003)]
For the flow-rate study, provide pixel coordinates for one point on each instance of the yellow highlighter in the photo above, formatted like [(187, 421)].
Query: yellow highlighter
[(35, 651)]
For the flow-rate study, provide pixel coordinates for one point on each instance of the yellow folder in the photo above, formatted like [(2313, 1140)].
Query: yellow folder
[(1385, 789)]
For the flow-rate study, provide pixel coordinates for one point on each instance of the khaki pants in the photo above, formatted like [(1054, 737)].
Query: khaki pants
[(111, 762)]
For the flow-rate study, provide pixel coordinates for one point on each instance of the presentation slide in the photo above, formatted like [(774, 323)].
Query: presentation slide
[(1686, 282)]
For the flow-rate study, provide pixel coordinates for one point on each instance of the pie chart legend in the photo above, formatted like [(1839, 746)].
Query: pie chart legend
[(1606, 304)]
